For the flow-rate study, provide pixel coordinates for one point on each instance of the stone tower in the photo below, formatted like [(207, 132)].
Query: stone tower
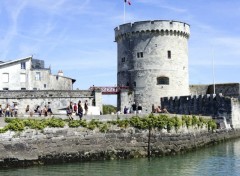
[(152, 59)]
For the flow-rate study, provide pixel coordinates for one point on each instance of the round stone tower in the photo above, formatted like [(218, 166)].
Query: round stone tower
[(152, 60)]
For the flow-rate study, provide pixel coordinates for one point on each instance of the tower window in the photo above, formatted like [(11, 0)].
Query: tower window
[(134, 84), (123, 59), (162, 81), (139, 54), (169, 54), (45, 85)]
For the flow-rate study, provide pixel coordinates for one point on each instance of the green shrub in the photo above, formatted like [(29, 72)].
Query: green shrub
[(178, 123), (103, 128)]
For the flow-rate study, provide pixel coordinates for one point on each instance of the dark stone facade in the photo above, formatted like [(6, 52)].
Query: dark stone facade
[(207, 105)]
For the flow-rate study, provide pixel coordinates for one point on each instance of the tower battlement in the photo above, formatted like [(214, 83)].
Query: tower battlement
[(162, 27)]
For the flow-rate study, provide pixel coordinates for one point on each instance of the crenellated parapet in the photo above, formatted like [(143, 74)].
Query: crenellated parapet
[(215, 105), (158, 27)]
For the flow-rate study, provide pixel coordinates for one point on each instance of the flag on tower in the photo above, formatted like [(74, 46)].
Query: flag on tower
[(127, 1)]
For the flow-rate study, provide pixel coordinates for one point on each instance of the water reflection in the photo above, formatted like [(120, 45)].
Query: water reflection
[(222, 159)]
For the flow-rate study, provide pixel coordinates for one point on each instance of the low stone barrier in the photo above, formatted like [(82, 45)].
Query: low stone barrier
[(60, 145)]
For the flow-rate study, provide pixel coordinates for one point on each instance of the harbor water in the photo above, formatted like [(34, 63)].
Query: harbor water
[(221, 159)]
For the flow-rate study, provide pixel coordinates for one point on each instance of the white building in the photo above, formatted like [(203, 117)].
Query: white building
[(30, 74)]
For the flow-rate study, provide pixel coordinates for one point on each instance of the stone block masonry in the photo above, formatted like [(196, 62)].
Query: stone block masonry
[(152, 59), (57, 99), (208, 105), (60, 145)]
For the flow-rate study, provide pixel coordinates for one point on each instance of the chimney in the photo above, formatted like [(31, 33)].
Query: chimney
[(60, 73)]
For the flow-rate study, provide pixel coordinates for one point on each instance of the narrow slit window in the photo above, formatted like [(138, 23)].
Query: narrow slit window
[(140, 55), (169, 54)]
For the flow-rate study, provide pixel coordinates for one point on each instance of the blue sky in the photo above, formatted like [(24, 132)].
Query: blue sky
[(77, 36)]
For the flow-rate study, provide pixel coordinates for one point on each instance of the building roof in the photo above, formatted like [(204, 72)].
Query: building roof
[(13, 61)]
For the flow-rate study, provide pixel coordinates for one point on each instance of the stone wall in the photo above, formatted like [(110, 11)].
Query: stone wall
[(208, 105), (57, 99), (60, 145)]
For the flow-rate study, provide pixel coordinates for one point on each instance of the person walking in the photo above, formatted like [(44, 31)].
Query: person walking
[(134, 108), (80, 110), (86, 107), (139, 109), (70, 111)]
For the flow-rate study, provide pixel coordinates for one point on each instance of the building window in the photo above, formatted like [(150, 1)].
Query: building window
[(38, 76), (134, 84), (23, 88), (162, 81), (5, 77), (45, 85), (34, 88), (5, 88), (139, 54), (123, 59), (23, 77), (23, 65), (169, 54)]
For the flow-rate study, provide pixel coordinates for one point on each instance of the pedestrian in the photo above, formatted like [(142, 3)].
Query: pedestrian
[(15, 110), (75, 108), (12, 110), (7, 110), (80, 110), (1, 111), (38, 110), (125, 110), (134, 108), (158, 110), (27, 109), (86, 107), (45, 111), (49, 109), (70, 111), (139, 109)]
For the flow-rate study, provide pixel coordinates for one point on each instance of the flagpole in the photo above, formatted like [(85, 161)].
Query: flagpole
[(124, 11), (213, 73)]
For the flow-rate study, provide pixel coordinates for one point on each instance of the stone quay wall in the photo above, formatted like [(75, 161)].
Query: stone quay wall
[(62, 145)]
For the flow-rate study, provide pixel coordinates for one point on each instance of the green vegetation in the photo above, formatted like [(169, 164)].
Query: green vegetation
[(108, 109), (151, 121)]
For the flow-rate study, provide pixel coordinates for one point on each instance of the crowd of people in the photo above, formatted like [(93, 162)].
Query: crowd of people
[(134, 109), (9, 111), (77, 109), (72, 109), (159, 109)]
